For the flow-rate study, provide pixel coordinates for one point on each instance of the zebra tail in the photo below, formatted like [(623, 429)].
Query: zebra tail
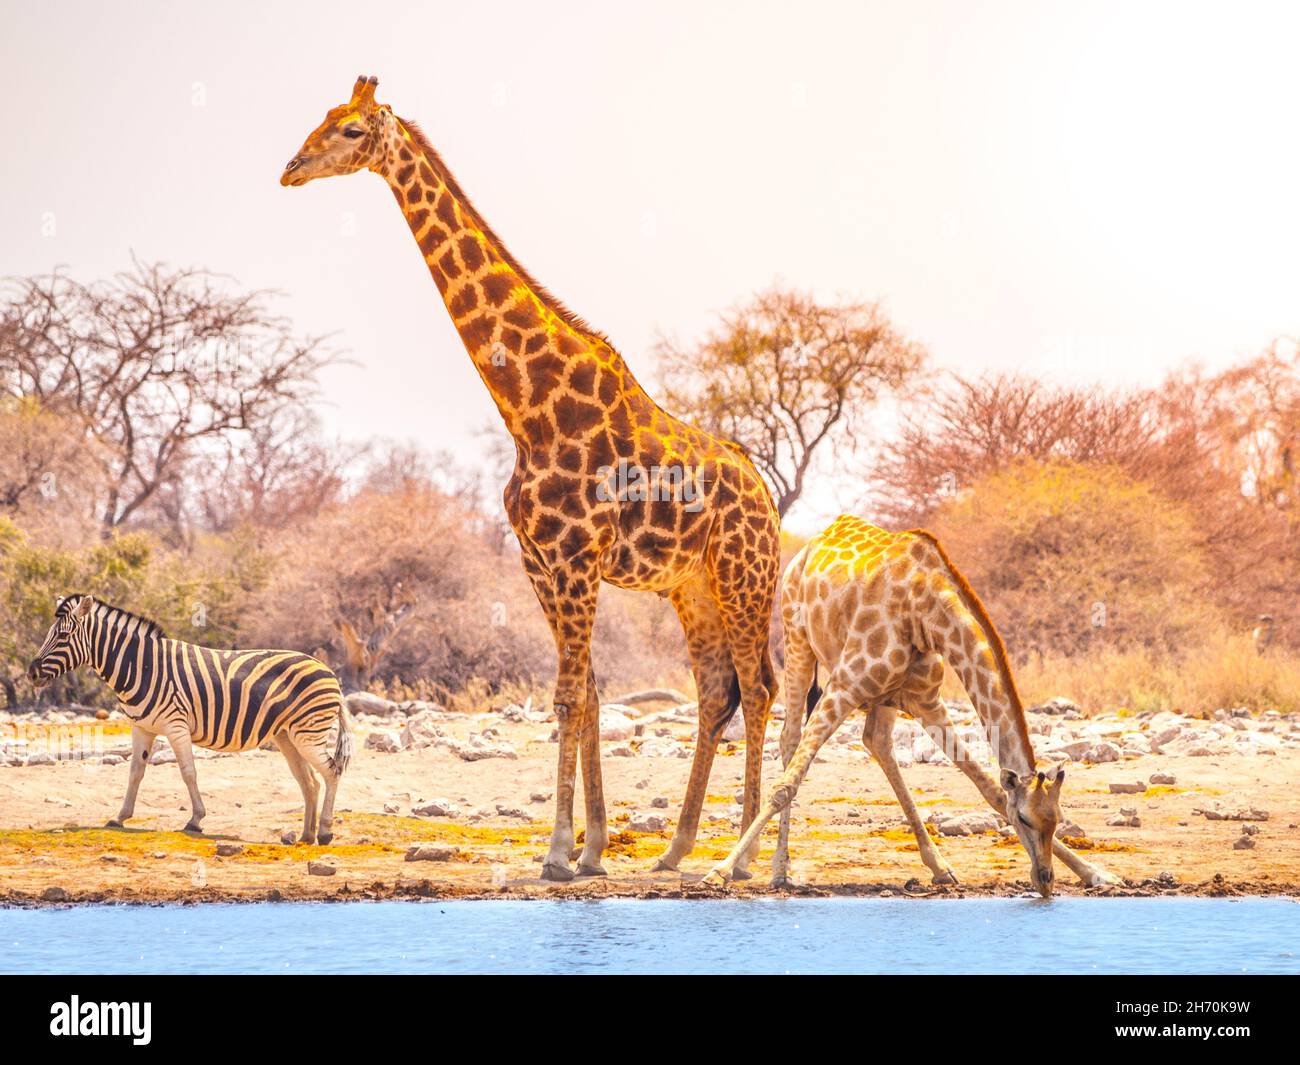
[(343, 746)]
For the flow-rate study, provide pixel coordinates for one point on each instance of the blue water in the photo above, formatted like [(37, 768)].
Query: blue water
[(663, 936)]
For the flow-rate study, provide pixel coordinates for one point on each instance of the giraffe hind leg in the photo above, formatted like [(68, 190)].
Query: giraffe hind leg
[(837, 702), (717, 688), (799, 680)]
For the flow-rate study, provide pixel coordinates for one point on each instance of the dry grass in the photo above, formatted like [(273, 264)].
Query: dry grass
[(1223, 672)]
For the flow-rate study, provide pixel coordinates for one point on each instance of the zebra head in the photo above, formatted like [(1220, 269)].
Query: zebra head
[(67, 644)]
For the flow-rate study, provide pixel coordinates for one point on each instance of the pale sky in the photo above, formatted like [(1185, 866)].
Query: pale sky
[(1088, 192)]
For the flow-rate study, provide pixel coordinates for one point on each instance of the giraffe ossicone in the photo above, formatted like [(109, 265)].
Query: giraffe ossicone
[(574, 410)]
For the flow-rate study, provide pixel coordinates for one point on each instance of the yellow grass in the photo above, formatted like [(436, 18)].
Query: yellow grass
[(1223, 672)]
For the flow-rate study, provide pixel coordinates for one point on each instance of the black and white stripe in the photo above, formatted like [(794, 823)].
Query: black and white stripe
[(223, 700)]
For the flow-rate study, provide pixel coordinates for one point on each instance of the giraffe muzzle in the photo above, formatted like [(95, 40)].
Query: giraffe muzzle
[(293, 172)]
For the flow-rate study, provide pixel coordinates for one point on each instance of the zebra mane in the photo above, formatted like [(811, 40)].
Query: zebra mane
[(150, 627)]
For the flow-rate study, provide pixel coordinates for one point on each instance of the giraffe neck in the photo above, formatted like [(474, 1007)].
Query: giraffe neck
[(965, 637), (1002, 716), (523, 344)]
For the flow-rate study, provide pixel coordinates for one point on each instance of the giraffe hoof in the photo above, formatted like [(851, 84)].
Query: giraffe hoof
[(714, 879), (591, 870), (309, 840), (192, 827), (946, 877), (663, 865), (324, 838), (741, 874), (781, 883), (114, 823), (551, 871)]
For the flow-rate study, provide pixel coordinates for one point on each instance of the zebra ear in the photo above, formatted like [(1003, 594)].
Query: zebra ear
[(83, 607)]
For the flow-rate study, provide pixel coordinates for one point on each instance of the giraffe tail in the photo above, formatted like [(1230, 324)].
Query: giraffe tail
[(733, 690), (814, 694), (733, 702)]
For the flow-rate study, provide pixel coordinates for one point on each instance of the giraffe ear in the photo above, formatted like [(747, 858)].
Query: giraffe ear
[(1009, 780)]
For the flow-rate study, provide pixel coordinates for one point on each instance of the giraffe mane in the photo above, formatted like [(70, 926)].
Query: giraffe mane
[(976, 606), (575, 321), (151, 627)]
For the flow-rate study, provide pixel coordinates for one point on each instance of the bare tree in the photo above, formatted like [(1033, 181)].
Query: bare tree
[(281, 471), (782, 375), (154, 364), (967, 428)]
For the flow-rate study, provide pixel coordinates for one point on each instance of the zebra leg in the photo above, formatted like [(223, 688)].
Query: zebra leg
[(184, 750), (319, 758), (306, 781), (141, 745)]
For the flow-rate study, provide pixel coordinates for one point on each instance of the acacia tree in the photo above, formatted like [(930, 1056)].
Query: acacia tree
[(154, 364), (783, 374)]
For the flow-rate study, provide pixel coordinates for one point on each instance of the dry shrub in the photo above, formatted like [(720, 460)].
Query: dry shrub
[(476, 631), (1076, 559)]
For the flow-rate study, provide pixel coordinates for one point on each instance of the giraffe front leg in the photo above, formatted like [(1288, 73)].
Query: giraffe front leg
[(184, 751), (936, 715), (575, 615), (833, 708), (878, 735), (597, 831), (141, 745)]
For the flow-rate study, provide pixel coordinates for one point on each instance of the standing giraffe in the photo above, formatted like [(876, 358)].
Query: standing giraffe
[(882, 612), (606, 485)]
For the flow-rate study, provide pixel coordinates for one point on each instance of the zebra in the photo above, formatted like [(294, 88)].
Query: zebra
[(223, 700)]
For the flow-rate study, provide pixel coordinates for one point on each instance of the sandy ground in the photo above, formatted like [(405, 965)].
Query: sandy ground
[(849, 834)]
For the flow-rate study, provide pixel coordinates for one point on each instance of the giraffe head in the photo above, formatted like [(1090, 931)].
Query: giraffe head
[(66, 645), (1034, 809), (354, 136)]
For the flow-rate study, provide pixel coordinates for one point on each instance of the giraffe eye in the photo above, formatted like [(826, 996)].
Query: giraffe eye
[(353, 132)]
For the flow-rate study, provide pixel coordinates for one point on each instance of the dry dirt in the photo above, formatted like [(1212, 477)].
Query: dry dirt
[(849, 834)]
